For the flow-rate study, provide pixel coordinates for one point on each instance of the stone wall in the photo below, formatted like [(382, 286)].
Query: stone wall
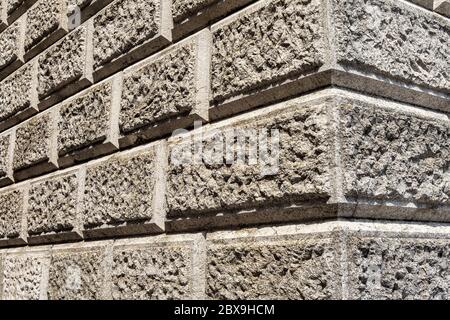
[(94, 203)]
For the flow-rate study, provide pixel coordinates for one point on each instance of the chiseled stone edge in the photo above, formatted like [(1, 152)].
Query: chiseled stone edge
[(76, 233), (20, 50), (203, 80), (164, 38), (9, 177), (54, 36), (111, 143), (157, 222), (51, 163), (22, 239), (85, 81)]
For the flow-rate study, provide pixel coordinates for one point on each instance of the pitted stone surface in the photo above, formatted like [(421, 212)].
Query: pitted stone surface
[(185, 8), (120, 190), (11, 213), (160, 272), (85, 120), (76, 275), (13, 5), (390, 38), (304, 268), (5, 141), (398, 268), (15, 92), (42, 20), (9, 45), (112, 40), (393, 155), (22, 276), (32, 142), (63, 63), (302, 174), (163, 89), (282, 39), (53, 205)]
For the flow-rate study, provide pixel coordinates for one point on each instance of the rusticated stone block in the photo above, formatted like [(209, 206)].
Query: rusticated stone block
[(15, 8), (305, 267), (18, 96), (167, 91), (35, 147), (12, 48), (77, 274), (53, 212), (88, 123), (124, 193), (166, 268), (272, 41), (401, 268), (294, 169), (12, 216), (23, 276), (393, 38), (389, 154), (6, 157), (87, 8), (442, 7), (183, 9), (46, 23), (147, 29), (66, 67)]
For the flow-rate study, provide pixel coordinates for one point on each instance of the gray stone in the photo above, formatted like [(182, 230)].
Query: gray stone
[(52, 207), (11, 44), (270, 42), (122, 192), (285, 267), (14, 5), (22, 277), (157, 272), (66, 63), (442, 7), (183, 9), (394, 155), (76, 274), (12, 211), (392, 38), (298, 173), (424, 3), (5, 155), (386, 267)]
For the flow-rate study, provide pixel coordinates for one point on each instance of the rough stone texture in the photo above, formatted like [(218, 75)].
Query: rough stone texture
[(9, 45), (76, 275), (394, 155), (282, 39), (13, 5), (158, 272), (120, 190), (391, 38), (163, 89), (22, 276), (85, 120), (303, 175), (63, 63), (53, 205), (305, 268), (16, 92), (5, 141), (11, 213), (112, 40), (33, 141), (183, 9), (398, 268), (42, 19)]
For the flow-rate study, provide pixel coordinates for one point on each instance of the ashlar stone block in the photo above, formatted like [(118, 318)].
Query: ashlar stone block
[(12, 48), (168, 91), (13, 207), (46, 23), (77, 273), (118, 44), (124, 193), (53, 208), (35, 146), (88, 123), (66, 67), (6, 158)]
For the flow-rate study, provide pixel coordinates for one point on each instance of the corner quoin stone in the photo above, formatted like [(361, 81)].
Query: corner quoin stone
[(125, 193), (168, 91), (116, 47)]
